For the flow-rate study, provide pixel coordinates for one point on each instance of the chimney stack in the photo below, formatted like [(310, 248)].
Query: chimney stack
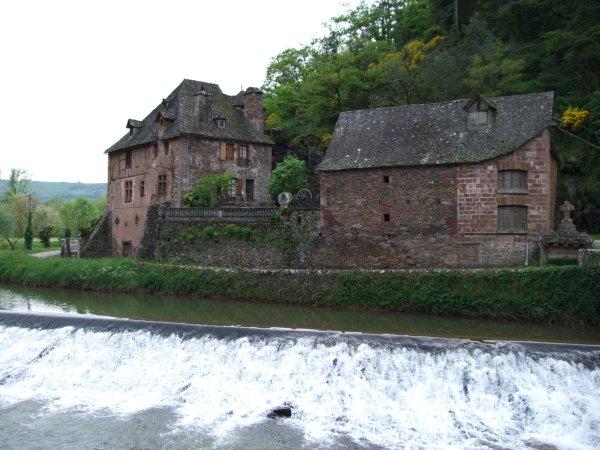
[(253, 108)]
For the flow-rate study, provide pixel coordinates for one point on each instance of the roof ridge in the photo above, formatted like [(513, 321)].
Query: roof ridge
[(446, 102)]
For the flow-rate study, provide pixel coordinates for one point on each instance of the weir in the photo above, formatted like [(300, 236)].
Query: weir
[(185, 330), (215, 385)]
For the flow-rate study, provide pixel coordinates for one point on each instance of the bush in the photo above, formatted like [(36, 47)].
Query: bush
[(290, 175), (561, 262), (45, 234), (239, 232), (209, 192)]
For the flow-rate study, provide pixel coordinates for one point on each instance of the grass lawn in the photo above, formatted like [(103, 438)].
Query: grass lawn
[(36, 248)]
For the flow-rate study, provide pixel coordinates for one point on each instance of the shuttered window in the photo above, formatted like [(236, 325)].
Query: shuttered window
[(512, 219), (230, 152), (512, 180)]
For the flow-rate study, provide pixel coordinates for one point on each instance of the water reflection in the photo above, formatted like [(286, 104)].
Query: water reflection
[(255, 314)]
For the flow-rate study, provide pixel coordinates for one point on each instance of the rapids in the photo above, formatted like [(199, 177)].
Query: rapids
[(345, 388)]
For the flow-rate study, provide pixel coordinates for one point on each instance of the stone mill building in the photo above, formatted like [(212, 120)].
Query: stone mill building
[(461, 183), (196, 130)]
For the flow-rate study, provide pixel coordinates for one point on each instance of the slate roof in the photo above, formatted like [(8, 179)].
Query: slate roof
[(179, 109), (434, 133)]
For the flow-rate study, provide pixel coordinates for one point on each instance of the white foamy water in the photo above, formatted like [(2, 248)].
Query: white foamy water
[(391, 397)]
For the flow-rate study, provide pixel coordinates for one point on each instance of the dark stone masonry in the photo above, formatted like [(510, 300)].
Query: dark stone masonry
[(460, 184)]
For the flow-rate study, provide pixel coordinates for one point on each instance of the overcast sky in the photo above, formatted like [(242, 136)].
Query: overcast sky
[(73, 72)]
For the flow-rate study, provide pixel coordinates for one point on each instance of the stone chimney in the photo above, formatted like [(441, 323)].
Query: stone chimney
[(253, 108)]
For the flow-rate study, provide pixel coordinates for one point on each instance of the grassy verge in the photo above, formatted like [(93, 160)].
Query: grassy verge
[(37, 246), (553, 293)]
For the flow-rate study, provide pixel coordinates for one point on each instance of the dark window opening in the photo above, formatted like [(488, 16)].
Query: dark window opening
[(128, 159), (162, 184), (137, 220), (386, 217), (126, 249), (386, 178), (221, 123), (512, 180), (154, 150), (299, 220), (166, 147), (128, 195), (249, 190), (512, 219), (142, 188)]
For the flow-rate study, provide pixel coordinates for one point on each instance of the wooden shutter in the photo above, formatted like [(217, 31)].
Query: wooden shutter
[(223, 151), (238, 192)]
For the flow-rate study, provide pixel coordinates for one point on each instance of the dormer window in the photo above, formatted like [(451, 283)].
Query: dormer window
[(478, 117), (220, 122), (480, 112)]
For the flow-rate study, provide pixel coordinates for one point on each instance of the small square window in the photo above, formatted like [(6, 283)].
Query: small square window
[(386, 178), (386, 217)]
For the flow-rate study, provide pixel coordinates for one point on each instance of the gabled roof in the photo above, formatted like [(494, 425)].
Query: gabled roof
[(179, 110), (434, 133)]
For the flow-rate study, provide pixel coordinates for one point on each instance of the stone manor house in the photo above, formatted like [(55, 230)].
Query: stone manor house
[(463, 183), (196, 130)]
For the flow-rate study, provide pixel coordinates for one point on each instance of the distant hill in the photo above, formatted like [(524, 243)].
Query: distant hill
[(45, 190)]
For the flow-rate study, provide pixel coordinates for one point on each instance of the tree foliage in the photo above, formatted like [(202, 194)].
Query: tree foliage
[(78, 215), (18, 183), (395, 52), (7, 226), (289, 176), (210, 191)]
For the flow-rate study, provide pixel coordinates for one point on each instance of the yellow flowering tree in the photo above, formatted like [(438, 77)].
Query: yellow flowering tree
[(574, 118)]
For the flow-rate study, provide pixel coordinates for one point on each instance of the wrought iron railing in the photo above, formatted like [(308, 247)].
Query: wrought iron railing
[(224, 214)]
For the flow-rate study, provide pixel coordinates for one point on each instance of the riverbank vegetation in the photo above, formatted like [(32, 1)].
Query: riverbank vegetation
[(555, 294)]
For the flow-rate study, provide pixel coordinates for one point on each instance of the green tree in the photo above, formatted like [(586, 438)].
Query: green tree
[(78, 215), (29, 231), (210, 191), (18, 183), (7, 226), (289, 176)]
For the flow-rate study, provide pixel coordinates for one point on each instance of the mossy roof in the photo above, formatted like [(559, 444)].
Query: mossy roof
[(182, 116), (434, 133)]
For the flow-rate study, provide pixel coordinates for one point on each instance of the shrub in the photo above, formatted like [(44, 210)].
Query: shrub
[(210, 233), (209, 192), (239, 232), (44, 235), (290, 175)]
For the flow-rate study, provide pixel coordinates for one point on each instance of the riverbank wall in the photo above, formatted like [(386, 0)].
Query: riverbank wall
[(555, 294)]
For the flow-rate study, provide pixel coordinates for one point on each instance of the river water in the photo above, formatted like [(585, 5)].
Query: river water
[(71, 379)]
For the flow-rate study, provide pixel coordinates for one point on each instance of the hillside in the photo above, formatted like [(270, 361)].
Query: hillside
[(45, 190)]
